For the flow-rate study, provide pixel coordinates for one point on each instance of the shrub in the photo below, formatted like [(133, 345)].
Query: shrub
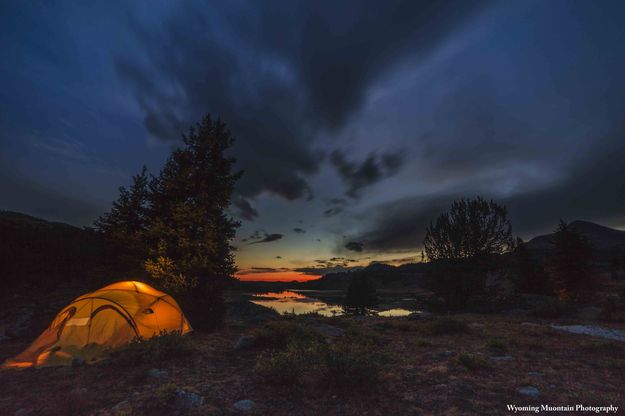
[(497, 346), (286, 367), (165, 346), (279, 334), (350, 366), (472, 362), (552, 308), (443, 326)]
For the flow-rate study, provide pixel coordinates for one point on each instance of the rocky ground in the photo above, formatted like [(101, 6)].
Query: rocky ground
[(471, 364)]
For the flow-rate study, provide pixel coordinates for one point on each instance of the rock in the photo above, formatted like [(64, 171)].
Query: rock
[(445, 354), (156, 373), (244, 341), (122, 407), (244, 405), (421, 315), (608, 333), (24, 412), (185, 400), (529, 391), (329, 330), (476, 325), (77, 362), (501, 358), (529, 324)]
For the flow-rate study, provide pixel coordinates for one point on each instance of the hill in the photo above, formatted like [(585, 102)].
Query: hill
[(383, 275), (38, 255), (603, 239)]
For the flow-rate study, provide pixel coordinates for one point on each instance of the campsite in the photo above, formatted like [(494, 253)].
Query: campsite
[(288, 207)]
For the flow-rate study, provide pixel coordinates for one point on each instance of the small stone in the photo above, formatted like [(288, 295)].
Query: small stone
[(24, 412), (501, 358), (121, 407), (244, 405), (185, 400), (156, 373), (529, 324), (77, 361), (244, 341), (529, 391)]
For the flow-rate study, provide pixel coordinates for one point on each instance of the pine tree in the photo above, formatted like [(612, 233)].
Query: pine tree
[(190, 233), (570, 262)]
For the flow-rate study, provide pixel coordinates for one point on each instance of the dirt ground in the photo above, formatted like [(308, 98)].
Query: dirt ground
[(476, 372)]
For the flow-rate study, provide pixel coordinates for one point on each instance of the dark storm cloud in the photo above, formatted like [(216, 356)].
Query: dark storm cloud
[(355, 246), (268, 238), (258, 270), (298, 230), (594, 190), (358, 176), (275, 81), (245, 210)]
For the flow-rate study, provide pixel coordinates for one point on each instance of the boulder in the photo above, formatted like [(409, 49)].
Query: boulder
[(122, 407)]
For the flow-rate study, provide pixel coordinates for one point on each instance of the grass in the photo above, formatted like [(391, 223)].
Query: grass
[(349, 366), (473, 362), (166, 346), (279, 334), (444, 326), (497, 346), (286, 367)]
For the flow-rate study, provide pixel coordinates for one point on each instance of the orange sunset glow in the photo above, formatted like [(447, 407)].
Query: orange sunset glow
[(278, 276)]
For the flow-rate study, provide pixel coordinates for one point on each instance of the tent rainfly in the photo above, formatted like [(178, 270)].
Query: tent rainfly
[(102, 320)]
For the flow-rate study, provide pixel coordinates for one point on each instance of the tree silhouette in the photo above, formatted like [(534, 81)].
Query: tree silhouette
[(361, 295), (179, 218), (570, 263), (462, 245)]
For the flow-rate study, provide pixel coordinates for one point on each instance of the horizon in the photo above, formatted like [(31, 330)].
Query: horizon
[(355, 125)]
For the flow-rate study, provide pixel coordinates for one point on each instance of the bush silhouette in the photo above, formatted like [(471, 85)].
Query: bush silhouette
[(361, 296)]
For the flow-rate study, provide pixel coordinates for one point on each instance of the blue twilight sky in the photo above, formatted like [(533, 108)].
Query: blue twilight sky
[(356, 123)]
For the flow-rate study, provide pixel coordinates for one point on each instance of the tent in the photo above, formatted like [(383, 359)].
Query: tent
[(102, 320)]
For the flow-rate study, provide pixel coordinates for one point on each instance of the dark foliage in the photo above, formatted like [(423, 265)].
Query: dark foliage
[(175, 222), (361, 295), (570, 263), (471, 228), (528, 272), (464, 245)]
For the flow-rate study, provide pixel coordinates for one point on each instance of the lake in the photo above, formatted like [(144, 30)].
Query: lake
[(301, 302)]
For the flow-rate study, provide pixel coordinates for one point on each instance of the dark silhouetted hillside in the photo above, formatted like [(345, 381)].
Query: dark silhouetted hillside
[(602, 239), (40, 255)]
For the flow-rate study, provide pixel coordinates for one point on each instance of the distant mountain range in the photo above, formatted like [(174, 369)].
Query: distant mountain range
[(600, 237)]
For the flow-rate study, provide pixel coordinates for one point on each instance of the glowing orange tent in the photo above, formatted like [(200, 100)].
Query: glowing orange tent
[(102, 320)]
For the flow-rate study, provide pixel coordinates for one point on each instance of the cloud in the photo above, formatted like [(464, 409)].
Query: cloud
[(268, 238), (355, 246), (358, 176), (298, 230), (245, 210), (277, 82), (594, 190), (258, 270)]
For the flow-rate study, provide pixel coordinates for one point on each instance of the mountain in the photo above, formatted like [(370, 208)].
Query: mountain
[(602, 238), (36, 254), (382, 275)]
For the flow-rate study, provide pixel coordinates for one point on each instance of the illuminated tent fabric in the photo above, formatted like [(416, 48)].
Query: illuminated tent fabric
[(102, 320)]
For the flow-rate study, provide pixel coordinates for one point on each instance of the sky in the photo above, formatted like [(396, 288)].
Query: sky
[(356, 123)]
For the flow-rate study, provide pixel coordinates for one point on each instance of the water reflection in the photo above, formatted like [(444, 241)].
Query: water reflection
[(289, 301)]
